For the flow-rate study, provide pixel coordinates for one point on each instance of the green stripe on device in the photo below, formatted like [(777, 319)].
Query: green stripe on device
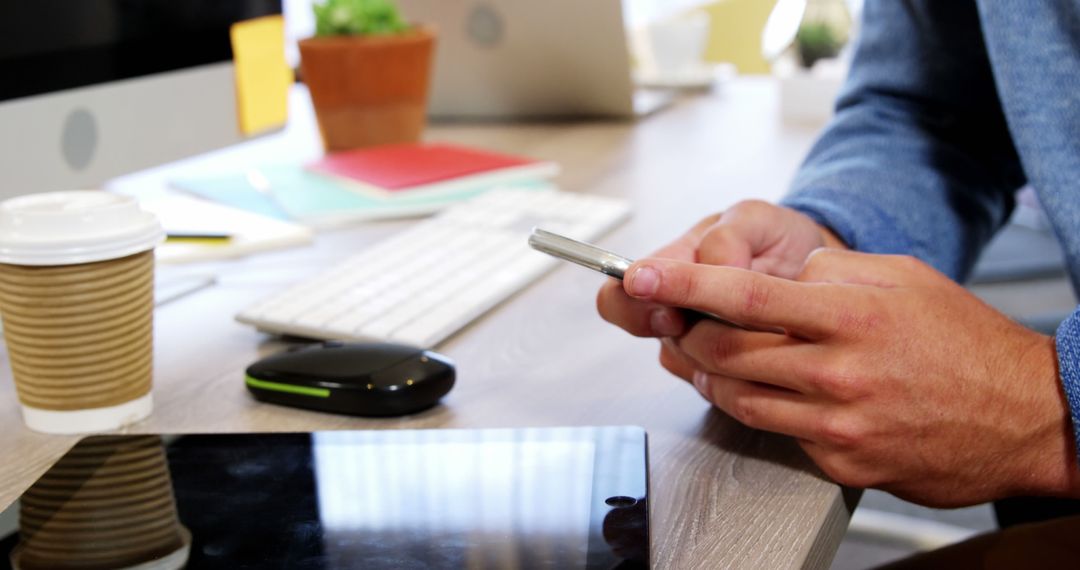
[(278, 387)]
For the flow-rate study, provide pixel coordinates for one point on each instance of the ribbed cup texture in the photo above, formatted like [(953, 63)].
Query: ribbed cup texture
[(107, 504), (80, 336)]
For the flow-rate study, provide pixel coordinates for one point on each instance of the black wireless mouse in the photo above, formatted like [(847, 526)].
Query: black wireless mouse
[(364, 379)]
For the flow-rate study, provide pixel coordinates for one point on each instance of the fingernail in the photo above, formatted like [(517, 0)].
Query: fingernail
[(663, 323), (644, 282), (701, 381)]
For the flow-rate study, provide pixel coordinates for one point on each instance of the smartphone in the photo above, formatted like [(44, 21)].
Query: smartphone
[(581, 253), (606, 262)]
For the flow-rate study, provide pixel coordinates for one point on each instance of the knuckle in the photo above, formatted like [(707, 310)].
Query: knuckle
[(848, 386), (839, 379), (857, 478), (752, 207), (840, 468), (816, 262), (681, 288), (818, 379), (753, 298), (857, 323), (722, 350), (725, 244), (842, 432), (820, 255), (745, 410), (718, 234), (833, 466)]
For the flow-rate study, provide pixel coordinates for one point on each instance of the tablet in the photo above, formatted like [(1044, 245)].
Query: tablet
[(493, 498)]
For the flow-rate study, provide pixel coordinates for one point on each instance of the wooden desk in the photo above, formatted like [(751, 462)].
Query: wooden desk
[(722, 496)]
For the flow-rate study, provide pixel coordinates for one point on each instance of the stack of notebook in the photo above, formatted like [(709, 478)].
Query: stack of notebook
[(372, 183)]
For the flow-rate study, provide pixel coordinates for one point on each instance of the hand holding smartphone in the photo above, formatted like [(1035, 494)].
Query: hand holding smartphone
[(606, 262)]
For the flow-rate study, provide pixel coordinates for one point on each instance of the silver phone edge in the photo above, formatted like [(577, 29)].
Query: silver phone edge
[(586, 255)]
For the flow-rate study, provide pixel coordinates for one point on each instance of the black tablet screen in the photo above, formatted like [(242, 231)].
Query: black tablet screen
[(508, 498)]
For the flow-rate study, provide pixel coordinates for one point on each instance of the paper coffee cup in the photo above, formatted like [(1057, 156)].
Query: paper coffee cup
[(107, 504), (77, 300)]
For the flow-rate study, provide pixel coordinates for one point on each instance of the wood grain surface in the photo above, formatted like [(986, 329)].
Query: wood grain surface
[(722, 495)]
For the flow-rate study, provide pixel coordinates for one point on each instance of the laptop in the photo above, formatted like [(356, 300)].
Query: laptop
[(521, 59)]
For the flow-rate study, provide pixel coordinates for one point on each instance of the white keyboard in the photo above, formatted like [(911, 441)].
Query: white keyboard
[(423, 284)]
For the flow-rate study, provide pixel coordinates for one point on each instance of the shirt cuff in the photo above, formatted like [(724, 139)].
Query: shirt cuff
[(861, 226), (1068, 353)]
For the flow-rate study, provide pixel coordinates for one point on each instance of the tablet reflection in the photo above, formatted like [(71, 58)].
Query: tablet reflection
[(461, 499), (107, 504), (396, 499)]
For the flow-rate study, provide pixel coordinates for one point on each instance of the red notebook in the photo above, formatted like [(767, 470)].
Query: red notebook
[(428, 166)]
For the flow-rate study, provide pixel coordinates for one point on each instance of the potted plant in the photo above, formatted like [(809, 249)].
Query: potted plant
[(368, 72), (816, 41), (805, 46)]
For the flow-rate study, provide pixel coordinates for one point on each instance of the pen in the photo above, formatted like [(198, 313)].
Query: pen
[(167, 290), (208, 238)]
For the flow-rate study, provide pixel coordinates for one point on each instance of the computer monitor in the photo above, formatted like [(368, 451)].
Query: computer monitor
[(91, 89)]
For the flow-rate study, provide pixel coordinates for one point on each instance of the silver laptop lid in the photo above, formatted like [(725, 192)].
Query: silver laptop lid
[(527, 59)]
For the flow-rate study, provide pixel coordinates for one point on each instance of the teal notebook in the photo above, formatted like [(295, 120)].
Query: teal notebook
[(290, 192)]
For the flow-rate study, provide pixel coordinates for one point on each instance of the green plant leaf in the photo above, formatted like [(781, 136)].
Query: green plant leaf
[(357, 18), (815, 41)]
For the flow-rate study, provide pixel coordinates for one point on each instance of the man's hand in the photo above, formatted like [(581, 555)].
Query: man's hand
[(890, 375), (751, 235)]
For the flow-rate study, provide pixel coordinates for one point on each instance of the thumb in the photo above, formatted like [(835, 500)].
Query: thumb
[(727, 244), (740, 233)]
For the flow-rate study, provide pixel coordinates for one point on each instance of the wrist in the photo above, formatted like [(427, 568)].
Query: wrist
[(830, 239), (827, 236), (1049, 465)]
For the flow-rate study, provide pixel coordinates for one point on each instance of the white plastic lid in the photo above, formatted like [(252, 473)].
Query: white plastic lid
[(75, 226)]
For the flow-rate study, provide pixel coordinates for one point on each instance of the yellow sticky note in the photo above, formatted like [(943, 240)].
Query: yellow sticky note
[(262, 75)]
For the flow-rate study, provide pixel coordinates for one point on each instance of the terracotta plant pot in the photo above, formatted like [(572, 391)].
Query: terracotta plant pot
[(369, 90)]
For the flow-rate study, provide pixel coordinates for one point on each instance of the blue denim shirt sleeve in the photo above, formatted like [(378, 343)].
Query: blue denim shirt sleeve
[(1067, 342), (919, 159)]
